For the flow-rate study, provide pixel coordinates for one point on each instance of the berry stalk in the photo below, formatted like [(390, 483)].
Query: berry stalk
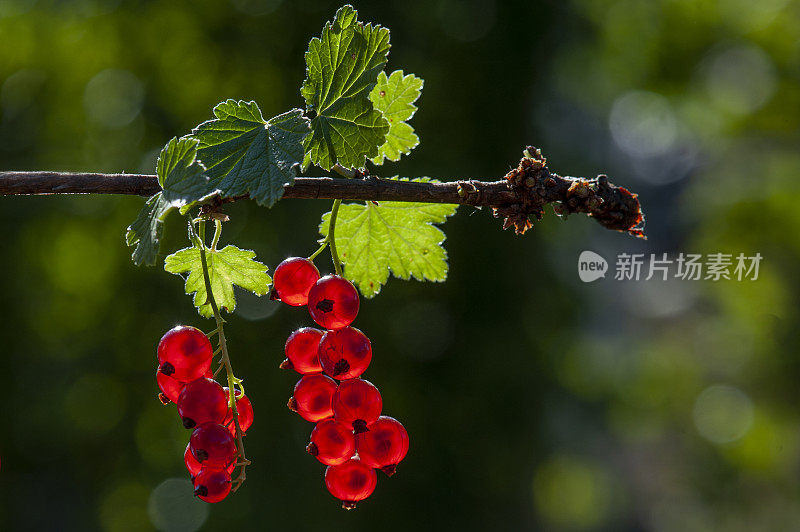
[(226, 361), (331, 238)]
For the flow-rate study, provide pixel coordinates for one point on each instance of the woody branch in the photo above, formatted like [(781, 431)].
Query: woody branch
[(517, 198)]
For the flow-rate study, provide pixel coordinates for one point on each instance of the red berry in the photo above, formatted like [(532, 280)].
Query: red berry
[(170, 388), (384, 445), (312, 397), (245, 410), (357, 403), (202, 401), (345, 353), (302, 349), (213, 446), (292, 280), (184, 353), (194, 467), (333, 302), (212, 485), (350, 482), (332, 443)]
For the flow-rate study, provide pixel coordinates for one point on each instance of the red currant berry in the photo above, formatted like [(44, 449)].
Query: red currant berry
[(357, 403), (212, 485), (213, 446), (170, 388), (194, 467), (384, 445), (312, 397), (202, 401), (302, 350), (292, 280), (184, 353), (332, 443), (333, 302), (350, 482), (345, 353), (245, 410)]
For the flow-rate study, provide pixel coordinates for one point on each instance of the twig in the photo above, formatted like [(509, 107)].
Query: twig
[(522, 193)]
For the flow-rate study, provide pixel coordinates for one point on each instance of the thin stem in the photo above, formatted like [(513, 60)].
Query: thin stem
[(226, 361), (349, 173), (337, 264), (217, 234), (320, 250)]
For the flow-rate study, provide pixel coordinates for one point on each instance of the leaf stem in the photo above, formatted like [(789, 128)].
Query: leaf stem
[(337, 264), (226, 361), (217, 234)]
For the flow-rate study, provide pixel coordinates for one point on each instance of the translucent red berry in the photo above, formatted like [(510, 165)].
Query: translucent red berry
[(170, 388), (184, 353), (194, 467), (345, 353), (357, 403), (292, 280), (384, 445), (312, 397), (245, 410), (202, 401), (302, 349), (212, 485), (213, 446), (332, 443), (350, 482), (333, 302)]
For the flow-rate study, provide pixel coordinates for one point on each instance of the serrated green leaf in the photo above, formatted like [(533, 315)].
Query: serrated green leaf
[(226, 267), (180, 174), (245, 154), (394, 96), (145, 231), (397, 237), (341, 69)]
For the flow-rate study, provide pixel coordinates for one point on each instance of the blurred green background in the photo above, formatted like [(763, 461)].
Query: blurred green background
[(533, 401)]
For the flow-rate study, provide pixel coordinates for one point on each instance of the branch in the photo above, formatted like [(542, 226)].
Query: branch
[(521, 195)]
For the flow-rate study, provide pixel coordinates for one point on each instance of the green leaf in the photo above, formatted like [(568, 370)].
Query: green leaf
[(145, 232), (245, 154), (180, 174), (397, 237), (226, 267), (342, 67), (394, 96)]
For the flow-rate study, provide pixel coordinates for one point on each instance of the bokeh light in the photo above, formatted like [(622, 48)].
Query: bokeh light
[(173, 508), (723, 413)]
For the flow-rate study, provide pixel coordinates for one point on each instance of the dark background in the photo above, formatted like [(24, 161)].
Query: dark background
[(533, 401)]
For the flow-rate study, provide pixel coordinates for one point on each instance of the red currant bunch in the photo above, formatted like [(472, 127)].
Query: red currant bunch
[(184, 378), (350, 436)]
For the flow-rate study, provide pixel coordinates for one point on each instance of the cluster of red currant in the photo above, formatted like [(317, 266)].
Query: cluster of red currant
[(350, 437), (184, 377)]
